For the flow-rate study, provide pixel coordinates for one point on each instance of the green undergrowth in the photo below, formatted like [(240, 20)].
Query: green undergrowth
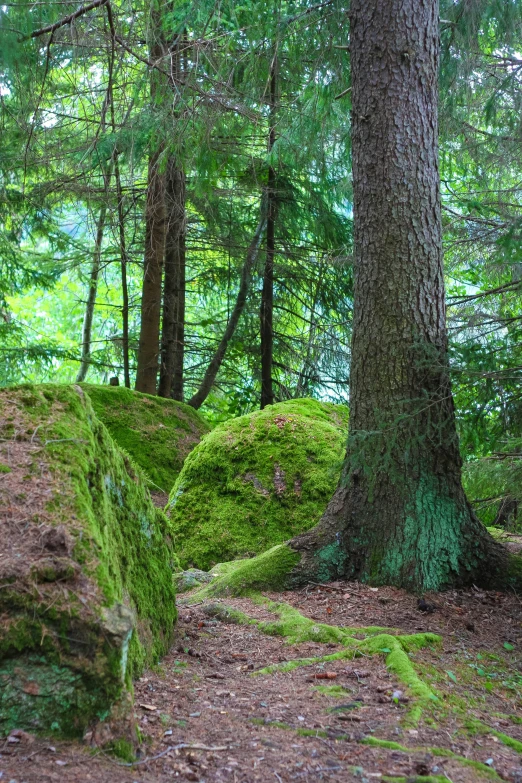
[(257, 480), (87, 597), (158, 433)]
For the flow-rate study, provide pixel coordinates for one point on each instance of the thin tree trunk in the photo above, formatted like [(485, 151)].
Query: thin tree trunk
[(173, 321), (148, 350), (212, 370), (123, 268), (400, 515), (267, 295), (179, 325), (93, 288), (307, 368), (173, 325)]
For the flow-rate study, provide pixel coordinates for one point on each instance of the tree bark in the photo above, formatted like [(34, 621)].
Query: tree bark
[(197, 400), (148, 350), (399, 515), (93, 288), (267, 295), (149, 342), (309, 369), (123, 271), (173, 324)]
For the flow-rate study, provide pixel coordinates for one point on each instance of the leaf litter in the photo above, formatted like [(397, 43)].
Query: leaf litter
[(206, 715)]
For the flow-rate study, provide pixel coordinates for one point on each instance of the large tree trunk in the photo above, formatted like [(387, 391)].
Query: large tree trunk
[(197, 400), (148, 351), (149, 343), (267, 294), (173, 324), (400, 515)]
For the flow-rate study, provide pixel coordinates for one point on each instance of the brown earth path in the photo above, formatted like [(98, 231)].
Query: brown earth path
[(206, 716)]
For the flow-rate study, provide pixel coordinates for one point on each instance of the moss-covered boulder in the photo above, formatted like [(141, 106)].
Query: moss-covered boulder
[(257, 480), (86, 588), (156, 432)]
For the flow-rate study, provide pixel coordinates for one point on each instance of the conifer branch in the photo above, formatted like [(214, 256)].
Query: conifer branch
[(66, 20)]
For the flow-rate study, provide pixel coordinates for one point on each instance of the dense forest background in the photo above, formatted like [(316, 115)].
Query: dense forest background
[(175, 208)]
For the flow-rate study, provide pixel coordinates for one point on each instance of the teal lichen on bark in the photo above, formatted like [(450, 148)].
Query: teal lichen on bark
[(87, 596), (257, 480)]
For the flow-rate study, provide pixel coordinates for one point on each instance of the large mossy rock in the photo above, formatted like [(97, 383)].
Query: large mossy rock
[(86, 588), (157, 433), (257, 480)]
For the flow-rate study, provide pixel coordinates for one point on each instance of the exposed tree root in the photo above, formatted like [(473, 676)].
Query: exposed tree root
[(297, 628)]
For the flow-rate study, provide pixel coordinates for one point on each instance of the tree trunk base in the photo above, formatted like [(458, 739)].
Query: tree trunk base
[(458, 556)]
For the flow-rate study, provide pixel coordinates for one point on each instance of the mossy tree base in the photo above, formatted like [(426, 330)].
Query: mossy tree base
[(317, 557), (87, 597)]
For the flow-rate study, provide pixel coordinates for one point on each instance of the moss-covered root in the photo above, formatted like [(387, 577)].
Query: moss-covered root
[(416, 779), (397, 661), (477, 727), (296, 628), (270, 571), (438, 752)]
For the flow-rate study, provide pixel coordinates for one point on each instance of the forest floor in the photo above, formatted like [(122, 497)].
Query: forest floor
[(206, 715)]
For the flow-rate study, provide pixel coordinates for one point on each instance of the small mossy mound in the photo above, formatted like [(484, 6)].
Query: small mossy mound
[(257, 480), (157, 433), (86, 588)]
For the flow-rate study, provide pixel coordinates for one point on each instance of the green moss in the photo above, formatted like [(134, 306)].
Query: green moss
[(158, 433), (477, 727), (4, 468), (439, 752), (264, 572), (296, 628), (335, 691), (122, 749), (257, 480), (397, 661), (87, 595), (416, 779)]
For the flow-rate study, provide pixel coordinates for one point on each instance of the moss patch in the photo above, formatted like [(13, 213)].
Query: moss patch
[(156, 432), (268, 571), (257, 480), (87, 597), (439, 752)]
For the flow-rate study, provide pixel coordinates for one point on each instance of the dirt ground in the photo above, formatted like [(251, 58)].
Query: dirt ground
[(205, 715)]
